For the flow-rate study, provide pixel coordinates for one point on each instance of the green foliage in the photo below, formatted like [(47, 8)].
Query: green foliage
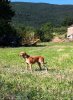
[(36, 14), (46, 30), (27, 34), (45, 33), (67, 21), (6, 13), (8, 35), (60, 30)]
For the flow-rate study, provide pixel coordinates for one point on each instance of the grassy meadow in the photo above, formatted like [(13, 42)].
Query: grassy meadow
[(16, 83)]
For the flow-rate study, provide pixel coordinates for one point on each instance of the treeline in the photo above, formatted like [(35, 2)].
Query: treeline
[(11, 35), (45, 33)]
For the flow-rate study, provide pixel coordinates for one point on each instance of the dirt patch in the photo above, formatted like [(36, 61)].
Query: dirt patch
[(57, 39)]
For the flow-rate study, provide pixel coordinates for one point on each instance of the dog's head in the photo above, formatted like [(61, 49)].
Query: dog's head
[(23, 54)]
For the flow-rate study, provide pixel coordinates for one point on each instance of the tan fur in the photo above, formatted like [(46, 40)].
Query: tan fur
[(32, 60)]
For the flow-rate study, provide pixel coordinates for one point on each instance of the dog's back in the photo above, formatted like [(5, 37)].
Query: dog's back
[(36, 59)]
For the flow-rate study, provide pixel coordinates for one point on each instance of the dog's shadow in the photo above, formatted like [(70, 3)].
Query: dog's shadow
[(51, 70), (43, 69)]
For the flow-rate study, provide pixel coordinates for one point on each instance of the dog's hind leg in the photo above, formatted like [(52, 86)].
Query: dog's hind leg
[(46, 66), (39, 64)]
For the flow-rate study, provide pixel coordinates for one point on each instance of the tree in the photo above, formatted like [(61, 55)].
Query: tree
[(46, 32), (67, 21), (6, 12), (8, 35)]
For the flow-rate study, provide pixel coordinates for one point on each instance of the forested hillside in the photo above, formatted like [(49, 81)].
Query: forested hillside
[(36, 14)]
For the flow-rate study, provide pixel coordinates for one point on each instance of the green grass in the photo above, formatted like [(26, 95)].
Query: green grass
[(56, 84)]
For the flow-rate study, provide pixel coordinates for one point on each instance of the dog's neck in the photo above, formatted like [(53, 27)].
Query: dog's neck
[(27, 56)]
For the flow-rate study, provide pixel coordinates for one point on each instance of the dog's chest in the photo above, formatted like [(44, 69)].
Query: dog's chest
[(27, 60), (30, 60)]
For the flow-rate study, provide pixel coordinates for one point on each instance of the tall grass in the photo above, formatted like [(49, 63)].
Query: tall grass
[(56, 84)]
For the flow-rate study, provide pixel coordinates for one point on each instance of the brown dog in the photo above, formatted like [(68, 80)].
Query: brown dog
[(32, 59)]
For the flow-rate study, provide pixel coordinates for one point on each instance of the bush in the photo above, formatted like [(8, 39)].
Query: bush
[(27, 35), (45, 32), (60, 30)]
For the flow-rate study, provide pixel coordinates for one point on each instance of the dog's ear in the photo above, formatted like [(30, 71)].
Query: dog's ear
[(21, 53), (25, 54)]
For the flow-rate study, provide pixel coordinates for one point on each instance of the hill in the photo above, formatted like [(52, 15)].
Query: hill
[(36, 14)]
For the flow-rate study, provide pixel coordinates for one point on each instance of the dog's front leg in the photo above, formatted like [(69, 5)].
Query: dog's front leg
[(27, 66), (30, 67)]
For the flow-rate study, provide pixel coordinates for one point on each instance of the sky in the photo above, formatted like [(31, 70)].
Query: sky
[(47, 1)]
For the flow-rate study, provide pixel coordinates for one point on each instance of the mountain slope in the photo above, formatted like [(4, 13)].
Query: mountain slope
[(36, 14)]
